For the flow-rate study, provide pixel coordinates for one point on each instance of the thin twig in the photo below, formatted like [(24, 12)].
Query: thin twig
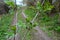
[(37, 13), (35, 17), (43, 2)]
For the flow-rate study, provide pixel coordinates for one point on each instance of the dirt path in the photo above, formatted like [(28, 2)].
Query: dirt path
[(40, 35), (14, 23), (17, 36)]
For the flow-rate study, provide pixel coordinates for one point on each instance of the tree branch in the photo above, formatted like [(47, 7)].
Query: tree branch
[(35, 17)]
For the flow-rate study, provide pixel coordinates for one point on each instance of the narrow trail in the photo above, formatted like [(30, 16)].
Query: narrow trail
[(14, 23), (17, 36), (39, 35)]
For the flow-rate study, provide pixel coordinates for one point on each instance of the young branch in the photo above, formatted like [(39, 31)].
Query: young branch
[(43, 2), (35, 17)]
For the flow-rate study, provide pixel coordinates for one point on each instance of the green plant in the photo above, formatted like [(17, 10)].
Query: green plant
[(10, 3), (43, 17), (5, 23)]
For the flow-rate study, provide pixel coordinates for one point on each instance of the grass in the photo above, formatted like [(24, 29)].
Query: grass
[(5, 23), (30, 13)]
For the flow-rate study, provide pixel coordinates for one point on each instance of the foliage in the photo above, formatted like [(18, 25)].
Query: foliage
[(5, 22), (30, 12), (13, 28), (48, 20), (48, 6), (10, 3), (43, 8), (43, 17)]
